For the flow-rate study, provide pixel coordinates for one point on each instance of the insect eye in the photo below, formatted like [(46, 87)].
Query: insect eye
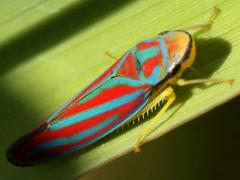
[(175, 70)]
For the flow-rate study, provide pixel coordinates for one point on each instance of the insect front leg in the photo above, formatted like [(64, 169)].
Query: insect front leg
[(168, 96), (208, 23)]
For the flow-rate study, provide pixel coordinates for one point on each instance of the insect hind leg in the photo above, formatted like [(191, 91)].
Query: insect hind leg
[(167, 95)]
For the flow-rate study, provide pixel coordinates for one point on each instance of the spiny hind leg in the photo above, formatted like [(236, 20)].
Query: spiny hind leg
[(208, 23), (168, 96)]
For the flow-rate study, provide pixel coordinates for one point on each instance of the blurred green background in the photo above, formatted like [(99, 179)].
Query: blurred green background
[(49, 50)]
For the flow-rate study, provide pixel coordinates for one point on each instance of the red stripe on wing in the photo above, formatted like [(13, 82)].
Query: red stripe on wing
[(129, 68), (92, 85), (128, 109), (145, 45), (105, 96)]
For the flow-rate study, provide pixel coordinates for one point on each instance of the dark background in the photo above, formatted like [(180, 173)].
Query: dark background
[(206, 148)]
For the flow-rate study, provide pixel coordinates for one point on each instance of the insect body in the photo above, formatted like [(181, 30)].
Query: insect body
[(110, 101), (135, 83)]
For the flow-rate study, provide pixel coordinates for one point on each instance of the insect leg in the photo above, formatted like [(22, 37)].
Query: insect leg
[(207, 24), (110, 56), (167, 95), (182, 82)]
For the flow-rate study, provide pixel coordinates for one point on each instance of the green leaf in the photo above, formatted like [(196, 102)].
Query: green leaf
[(49, 50)]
